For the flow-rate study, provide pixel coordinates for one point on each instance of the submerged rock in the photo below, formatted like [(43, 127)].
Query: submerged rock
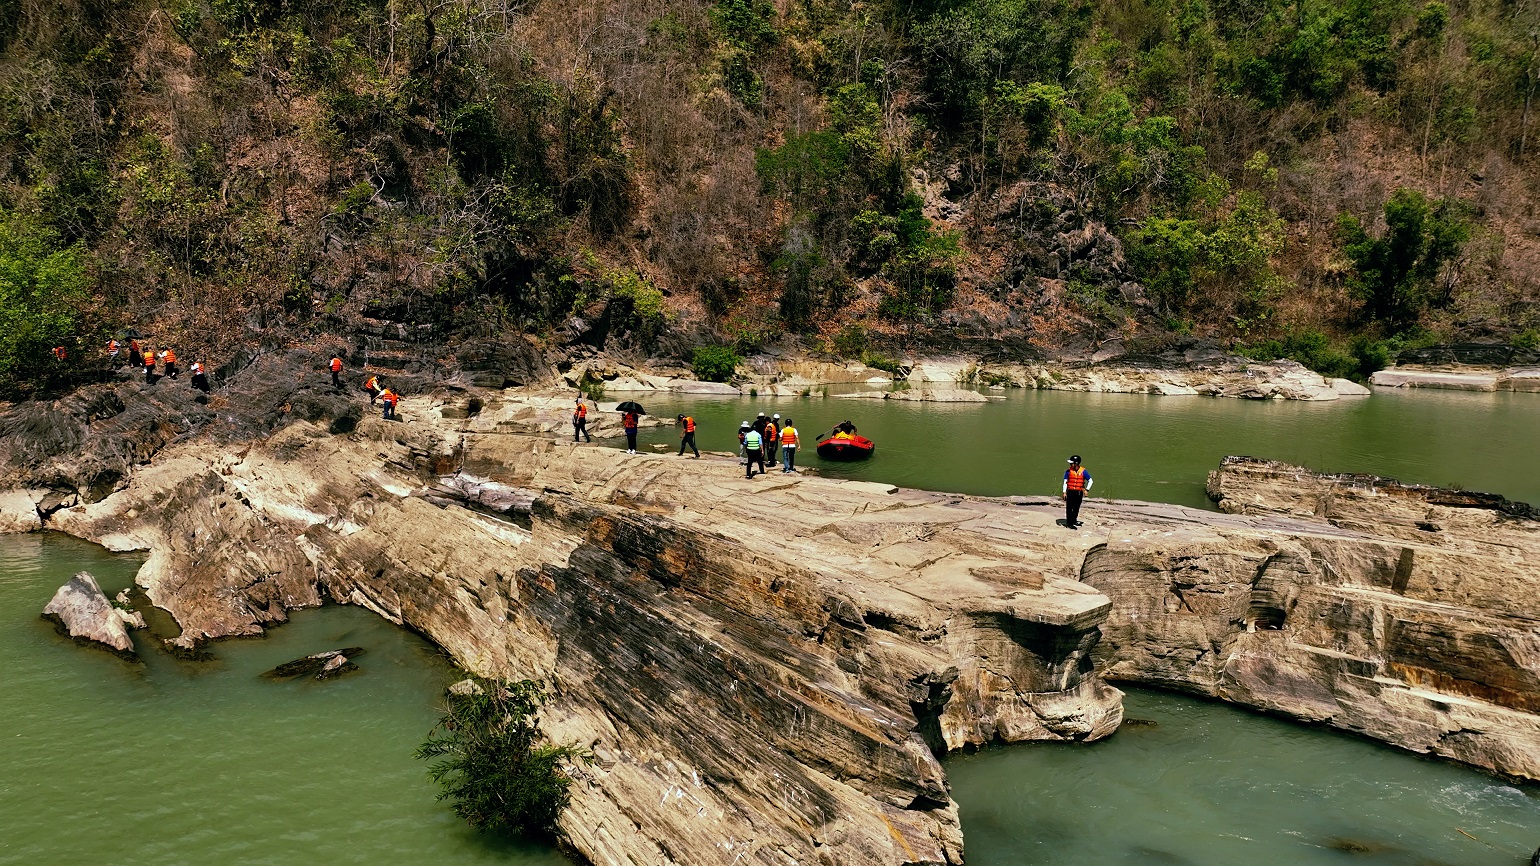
[(321, 666), (80, 610)]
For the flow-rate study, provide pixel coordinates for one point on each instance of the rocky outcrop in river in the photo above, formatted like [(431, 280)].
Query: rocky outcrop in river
[(766, 669)]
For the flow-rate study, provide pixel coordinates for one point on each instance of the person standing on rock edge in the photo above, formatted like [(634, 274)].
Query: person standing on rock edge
[(168, 357), (773, 439), (388, 397), (788, 447), (1076, 482), (135, 357), (752, 441), (743, 454), (336, 366), (629, 422), (687, 438), (580, 421)]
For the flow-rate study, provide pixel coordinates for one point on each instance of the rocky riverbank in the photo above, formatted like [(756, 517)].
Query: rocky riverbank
[(766, 669)]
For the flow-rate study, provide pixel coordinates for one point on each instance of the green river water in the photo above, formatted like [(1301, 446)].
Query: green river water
[(175, 762)]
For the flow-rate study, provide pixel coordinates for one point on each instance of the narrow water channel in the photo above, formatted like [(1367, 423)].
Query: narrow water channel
[(1198, 783), (1158, 449)]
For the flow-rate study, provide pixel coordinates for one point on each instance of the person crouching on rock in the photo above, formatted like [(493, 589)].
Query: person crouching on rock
[(372, 386), (389, 398), (200, 380), (687, 438), (752, 442), (580, 421)]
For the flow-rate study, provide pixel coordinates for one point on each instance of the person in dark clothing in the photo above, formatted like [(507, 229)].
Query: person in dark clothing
[(1076, 482), (200, 380), (336, 368), (629, 422), (752, 443), (580, 421), (687, 438)]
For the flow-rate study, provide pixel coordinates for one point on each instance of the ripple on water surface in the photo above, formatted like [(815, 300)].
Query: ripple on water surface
[(1212, 785), (173, 762)]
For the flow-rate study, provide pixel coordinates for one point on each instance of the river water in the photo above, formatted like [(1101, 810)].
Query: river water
[(1153, 448), (174, 762)]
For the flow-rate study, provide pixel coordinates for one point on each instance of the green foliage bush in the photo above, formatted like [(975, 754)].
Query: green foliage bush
[(715, 363), (491, 762), (1397, 275), (44, 295)]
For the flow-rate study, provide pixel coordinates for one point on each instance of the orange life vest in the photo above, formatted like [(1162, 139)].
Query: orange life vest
[(1074, 478), (689, 424), (197, 369), (388, 396), (582, 411), (770, 432), (789, 436), (149, 359), (373, 384), (170, 356), (112, 345), (336, 365)]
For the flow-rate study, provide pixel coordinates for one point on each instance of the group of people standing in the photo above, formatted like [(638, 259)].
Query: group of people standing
[(767, 440), (157, 365)]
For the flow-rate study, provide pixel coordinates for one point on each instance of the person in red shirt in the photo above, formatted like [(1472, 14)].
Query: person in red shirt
[(629, 422)]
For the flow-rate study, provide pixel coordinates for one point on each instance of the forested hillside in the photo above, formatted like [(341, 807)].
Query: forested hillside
[(1327, 180)]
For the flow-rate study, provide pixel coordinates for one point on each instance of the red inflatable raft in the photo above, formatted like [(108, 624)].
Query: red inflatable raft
[(854, 448)]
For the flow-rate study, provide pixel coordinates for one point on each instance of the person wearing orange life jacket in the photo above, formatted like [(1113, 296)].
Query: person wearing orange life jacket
[(788, 447), (135, 357), (336, 367), (149, 365), (629, 422), (59, 353), (168, 357), (200, 380), (773, 439), (372, 385), (580, 421), (112, 353), (687, 438), (389, 398), (1076, 482)]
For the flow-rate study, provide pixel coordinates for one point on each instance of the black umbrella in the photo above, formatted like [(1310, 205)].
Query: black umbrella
[(631, 406)]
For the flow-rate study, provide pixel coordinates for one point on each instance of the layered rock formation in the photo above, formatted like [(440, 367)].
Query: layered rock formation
[(766, 669), (1400, 612)]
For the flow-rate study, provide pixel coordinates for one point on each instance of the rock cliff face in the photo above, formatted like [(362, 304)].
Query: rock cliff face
[(1402, 613), (766, 669)]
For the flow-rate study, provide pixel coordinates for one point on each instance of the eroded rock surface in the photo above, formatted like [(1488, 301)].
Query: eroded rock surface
[(80, 610), (1400, 612)]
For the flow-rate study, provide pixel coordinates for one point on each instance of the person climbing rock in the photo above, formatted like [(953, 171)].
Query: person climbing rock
[(580, 421), (752, 441), (372, 386), (200, 380), (789, 447), (149, 366), (389, 398), (168, 357), (336, 367), (687, 437), (112, 353), (1076, 482)]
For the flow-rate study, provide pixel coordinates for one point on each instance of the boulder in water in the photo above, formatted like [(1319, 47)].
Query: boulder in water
[(321, 666), (80, 609)]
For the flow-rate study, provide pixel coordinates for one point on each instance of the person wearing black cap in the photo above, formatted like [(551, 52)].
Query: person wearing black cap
[(687, 438), (1076, 482)]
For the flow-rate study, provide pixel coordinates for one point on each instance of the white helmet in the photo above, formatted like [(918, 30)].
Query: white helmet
[(744, 424), (777, 416)]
